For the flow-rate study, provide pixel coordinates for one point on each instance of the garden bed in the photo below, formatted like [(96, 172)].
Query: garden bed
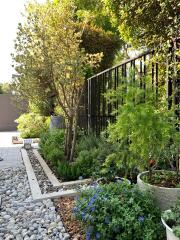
[(46, 185)]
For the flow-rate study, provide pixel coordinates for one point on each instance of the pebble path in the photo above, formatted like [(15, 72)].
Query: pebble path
[(20, 217)]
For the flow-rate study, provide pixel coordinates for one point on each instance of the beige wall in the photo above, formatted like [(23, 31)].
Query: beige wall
[(8, 113)]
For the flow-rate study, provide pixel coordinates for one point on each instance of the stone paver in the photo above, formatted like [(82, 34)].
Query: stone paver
[(10, 153), (11, 157)]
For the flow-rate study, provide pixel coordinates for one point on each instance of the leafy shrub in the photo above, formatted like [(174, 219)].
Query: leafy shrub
[(68, 171), (119, 211), (52, 146), (144, 127), (87, 161), (100, 158), (91, 154), (172, 218), (31, 125), (88, 142), (96, 40)]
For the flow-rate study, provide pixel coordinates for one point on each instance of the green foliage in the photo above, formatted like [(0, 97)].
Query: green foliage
[(145, 22), (119, 211), (47, 70), (95, 40), (87, 161), (91, 154), (172, 218), (94, 13), (5, 88), (31, 125), (68, 171), (142, 125), (52, 146), (88, 142)]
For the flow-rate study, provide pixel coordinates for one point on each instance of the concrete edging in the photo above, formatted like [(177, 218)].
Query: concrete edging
[(52, 178), (34, 186)]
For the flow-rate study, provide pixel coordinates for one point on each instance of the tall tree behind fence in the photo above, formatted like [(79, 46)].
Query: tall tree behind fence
[(96, 112)]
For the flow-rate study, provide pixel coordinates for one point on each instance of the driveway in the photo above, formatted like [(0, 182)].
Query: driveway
[(6, 139), (10, 153)]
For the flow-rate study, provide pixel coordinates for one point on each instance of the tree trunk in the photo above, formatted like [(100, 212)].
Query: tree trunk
[(69, 138), (74, 138)]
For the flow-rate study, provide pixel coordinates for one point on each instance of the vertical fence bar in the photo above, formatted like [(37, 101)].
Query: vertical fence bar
[(157, 76), (140, 73), (176, 60), (169, 79), (89, 105)]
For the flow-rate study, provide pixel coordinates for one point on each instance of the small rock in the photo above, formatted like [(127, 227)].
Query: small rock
[(66, 236), (7, 217)]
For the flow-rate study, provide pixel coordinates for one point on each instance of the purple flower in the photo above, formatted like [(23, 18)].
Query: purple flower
[(83, 215), (141, 218), (88, 235), (93, 209), (75, 209), (98, 235), (106, 220)]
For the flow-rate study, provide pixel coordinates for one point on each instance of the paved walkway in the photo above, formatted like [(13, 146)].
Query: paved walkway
[(10, 153), (11, 157)]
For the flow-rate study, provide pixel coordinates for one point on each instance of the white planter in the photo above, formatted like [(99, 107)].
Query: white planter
[(117, 179), (165, 197), (169, 232)]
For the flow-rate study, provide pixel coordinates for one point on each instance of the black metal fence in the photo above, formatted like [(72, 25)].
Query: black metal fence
[(97, 111)]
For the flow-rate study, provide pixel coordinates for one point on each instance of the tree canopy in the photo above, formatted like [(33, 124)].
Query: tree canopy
[(146, 23)]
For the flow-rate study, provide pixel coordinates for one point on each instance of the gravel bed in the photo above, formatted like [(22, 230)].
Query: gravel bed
[(22, 219), (44, 183)]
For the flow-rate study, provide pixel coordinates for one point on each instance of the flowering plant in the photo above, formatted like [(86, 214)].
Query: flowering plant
[(118, 211)]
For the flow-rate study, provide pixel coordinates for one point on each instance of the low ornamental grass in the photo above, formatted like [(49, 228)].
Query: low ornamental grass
[(119, 212)]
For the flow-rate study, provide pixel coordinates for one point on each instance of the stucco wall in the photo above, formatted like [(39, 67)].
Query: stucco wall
[(8, 113)]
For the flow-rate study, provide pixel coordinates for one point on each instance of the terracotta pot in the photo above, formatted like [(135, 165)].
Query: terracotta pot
[(169, 232), (164, 197)]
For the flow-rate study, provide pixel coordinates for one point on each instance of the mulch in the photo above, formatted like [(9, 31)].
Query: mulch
[(73, 227)]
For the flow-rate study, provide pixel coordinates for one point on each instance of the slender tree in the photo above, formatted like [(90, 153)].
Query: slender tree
[(48, 49)]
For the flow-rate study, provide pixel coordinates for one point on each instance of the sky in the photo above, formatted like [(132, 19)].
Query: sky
[(10, 16)]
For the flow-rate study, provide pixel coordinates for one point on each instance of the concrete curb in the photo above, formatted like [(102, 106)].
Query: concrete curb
[(34, 186), (52, 178)]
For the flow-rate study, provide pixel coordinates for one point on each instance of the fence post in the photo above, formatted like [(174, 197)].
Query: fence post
[(89, 106), (176, 60)]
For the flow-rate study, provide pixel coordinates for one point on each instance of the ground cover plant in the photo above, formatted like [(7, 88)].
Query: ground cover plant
[(119, 211)]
